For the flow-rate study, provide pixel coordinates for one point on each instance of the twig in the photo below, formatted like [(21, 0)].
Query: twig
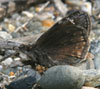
[(44, 6), (22, 26)]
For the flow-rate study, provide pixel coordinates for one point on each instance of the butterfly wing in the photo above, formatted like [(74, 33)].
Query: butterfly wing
[(67, 41)]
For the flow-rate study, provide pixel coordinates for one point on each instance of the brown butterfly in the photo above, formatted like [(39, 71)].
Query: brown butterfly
[(66, 42)]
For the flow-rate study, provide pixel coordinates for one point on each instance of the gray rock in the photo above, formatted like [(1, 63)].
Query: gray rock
[(92, 77), (7, 62), (15, 15), (5, 35), (82, 66), (15, 35), (62, 77), (97, 61), (10, 52), (23, 56), (34, 26), (27, 13), (22, 19), (86, 65), (25, 82), (95, 49), (6, 71), (16, 63), (1, 67), (90, 64)]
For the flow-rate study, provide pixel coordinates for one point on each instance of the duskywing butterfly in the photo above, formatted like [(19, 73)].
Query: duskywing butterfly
[(67, 41)]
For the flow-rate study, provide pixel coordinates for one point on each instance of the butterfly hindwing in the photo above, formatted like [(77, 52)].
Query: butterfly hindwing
[(67, 41)]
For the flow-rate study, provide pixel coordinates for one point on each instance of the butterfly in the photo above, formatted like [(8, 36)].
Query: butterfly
[(66, 42)]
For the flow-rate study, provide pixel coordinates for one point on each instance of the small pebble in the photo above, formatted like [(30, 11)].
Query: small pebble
[(11, 74), (95, 49), (7, 62), (5, 35), (28, 14), (26, 81), (1, 67), (87, 7), (47, 23), (17, 59), (11, 28)]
